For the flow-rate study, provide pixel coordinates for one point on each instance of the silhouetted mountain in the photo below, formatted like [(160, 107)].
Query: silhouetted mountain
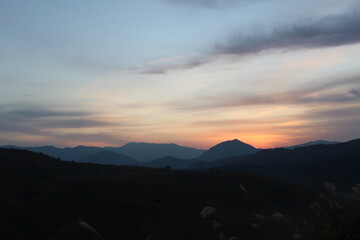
[(169, 161), (313, 165), (145, 152), (316, 142), (137, 151), (68, 153), (44, 198), (227, 149), (109, 158)]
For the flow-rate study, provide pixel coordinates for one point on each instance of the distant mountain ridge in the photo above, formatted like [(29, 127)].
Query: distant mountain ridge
[(142, 152), (146, 152), (227, 149), (154, 154), (315, 142), (67, 153)]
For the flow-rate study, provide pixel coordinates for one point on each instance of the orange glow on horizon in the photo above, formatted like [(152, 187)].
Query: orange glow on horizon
[(257, 140)]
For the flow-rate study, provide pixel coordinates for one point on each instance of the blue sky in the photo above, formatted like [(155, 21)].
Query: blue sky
[(193, 72)]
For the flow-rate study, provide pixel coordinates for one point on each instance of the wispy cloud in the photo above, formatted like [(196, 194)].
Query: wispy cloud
[(326, 32), (39, 113), (330, 92), (90, 139), (336, 113), (337, 122), (182, 64), (329, 31), (75, 123), (37, 124), (355, 92), (38, 120), (66, 139)]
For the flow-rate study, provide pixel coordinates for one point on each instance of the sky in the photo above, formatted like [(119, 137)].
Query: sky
[(193, 72)]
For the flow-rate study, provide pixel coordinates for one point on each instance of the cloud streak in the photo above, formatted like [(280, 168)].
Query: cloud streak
[(38, 124), (330, 92), (163, 69), (327, 32), (355, 92), (39, 120), (45, 113)]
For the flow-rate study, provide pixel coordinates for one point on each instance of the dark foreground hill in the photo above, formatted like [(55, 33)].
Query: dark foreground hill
[(44, 198), (171, 162), (312, 165)]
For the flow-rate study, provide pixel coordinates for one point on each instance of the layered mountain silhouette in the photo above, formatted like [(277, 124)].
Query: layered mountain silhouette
[(146, 152), (156, 155), (45, 198), (142, 152), (227, 149), (316, 142), (67, 153), (109, 158)]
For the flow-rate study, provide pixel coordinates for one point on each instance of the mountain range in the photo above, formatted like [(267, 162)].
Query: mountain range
[(141, 152), (151, 154)]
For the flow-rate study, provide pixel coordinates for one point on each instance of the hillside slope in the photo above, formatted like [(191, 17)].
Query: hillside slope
[(169, 161), (108, 158), (44, 198)]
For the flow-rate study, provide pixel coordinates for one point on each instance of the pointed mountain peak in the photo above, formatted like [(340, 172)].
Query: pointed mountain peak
[(234, 142)]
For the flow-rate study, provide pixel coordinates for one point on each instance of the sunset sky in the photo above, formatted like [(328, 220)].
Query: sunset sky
[(193, 72)]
